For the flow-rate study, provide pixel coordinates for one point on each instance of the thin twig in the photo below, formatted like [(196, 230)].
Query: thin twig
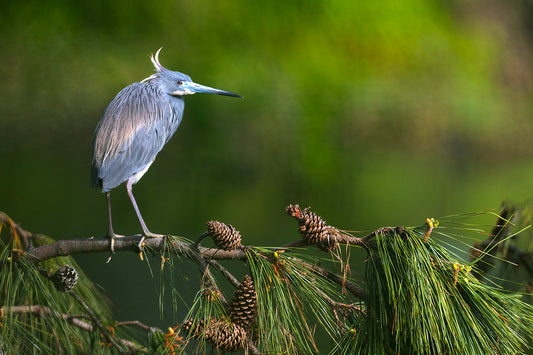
[(96, 320), (345, 309), (42, 311), (341, 281), (136, 323), (229, 276), (202, 237), (296, 244), (203, 264)]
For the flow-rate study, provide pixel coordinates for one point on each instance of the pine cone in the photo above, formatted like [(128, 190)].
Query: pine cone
[(213, 294), (226, 336), (65, 278), (224, 235), (193, 326), (243, 307), (313, 228)]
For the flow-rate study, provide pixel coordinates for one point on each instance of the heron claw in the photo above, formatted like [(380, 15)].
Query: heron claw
[(141, 244), (112, 238), (148, 234)]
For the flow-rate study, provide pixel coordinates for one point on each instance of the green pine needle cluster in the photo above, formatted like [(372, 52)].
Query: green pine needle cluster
[(422, 300), (166, 270), (419, 299), (48, 332), (207, 306), (292, 302)]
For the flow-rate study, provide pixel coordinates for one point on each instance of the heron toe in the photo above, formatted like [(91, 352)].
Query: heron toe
[(113, 236), (149, 234)]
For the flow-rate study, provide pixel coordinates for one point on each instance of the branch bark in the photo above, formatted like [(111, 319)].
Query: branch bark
[(130, 243), (96, 245), (177, 246)]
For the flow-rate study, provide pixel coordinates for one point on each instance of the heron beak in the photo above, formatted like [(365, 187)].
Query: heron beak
[(188, 87)]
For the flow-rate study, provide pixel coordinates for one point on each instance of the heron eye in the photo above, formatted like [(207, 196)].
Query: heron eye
[(179, 82)]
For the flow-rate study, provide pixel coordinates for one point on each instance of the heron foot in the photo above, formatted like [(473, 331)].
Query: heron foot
[(112, 238), (148, 234)]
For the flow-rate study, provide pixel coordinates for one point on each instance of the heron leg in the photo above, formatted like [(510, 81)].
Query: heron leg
[(146, 232), (112, 235)]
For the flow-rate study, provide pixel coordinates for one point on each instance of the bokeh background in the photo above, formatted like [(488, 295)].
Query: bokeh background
[(374, 113)]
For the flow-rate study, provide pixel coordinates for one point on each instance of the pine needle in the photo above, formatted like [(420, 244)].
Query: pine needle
[(422, 300), (292, 302), (46, 330)]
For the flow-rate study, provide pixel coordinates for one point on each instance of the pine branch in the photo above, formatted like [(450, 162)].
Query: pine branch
[(91, 314), (96, 320), (130, 243), (340, 280), (203, 265), (44, 311), (68, 247), (73, 319), (95, 245), (136, 323), (292, 278), (229, 276)]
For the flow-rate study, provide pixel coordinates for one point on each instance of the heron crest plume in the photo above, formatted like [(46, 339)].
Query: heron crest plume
[(155, 61)]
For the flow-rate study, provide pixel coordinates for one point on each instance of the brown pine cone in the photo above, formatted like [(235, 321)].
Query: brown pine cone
[(224, 235), (193, 326), (65, 278), (225, 335), (243, 307), (313, 228)]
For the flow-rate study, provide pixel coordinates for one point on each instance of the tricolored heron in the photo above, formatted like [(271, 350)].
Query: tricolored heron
[(134, 127)]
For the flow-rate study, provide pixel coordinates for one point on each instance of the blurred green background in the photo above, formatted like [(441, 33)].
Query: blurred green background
[(373, 113)]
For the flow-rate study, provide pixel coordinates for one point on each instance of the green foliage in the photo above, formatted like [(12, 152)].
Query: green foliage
[(422, 300), (292, 302), (45, 331), (166, 269), (208, 304), (418, 298)]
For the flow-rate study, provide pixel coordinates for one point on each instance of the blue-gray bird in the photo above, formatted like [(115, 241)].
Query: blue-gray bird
[(134, 128)]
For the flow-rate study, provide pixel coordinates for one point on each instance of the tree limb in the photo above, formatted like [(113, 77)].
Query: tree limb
[(176, 246), (130, 243)]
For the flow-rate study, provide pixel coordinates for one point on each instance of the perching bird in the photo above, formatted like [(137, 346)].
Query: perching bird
[(134, 128)]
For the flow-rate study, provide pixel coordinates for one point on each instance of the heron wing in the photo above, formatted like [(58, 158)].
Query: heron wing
[(133, 129)]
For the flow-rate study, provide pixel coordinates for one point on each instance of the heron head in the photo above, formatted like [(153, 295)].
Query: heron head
[(178, 84)]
